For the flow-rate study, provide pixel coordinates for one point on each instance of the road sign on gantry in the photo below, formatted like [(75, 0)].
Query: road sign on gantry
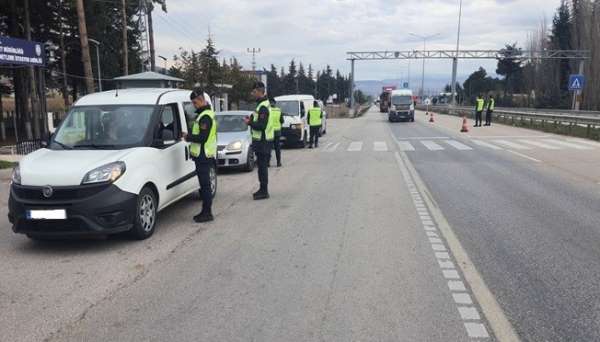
[(576, 82)]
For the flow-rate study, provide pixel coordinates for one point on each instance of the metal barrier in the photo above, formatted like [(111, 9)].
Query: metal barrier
[(581, 125), (27, 146)]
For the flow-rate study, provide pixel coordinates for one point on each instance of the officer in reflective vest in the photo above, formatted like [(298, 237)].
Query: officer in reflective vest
[(263, 135), (315, 118), (203, 150), (479, 104), (277, 120), (491, 104)]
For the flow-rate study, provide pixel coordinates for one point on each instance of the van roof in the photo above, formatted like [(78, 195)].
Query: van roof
[(132, 96), (405, 92), (294, 98)]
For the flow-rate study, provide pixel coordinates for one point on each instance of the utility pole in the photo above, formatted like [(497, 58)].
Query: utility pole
[(455, 59), (125, 44), (150, 7), (33, 93), (253, 51), (85, 48), (63, 60), (97, 43)]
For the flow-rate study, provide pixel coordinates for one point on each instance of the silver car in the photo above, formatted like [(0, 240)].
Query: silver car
[(234, 141)]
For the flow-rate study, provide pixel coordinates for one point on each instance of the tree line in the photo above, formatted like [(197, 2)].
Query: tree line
[(543, 83)]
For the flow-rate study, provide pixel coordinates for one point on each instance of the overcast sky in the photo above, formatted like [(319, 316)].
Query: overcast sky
[(322, 31)]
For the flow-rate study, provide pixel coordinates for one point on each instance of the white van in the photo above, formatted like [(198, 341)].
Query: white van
[(402, 106), (295, 130), (116, 160)]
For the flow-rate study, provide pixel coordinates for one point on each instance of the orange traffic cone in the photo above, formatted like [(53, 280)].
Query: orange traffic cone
[(431, 118), (465, 126)]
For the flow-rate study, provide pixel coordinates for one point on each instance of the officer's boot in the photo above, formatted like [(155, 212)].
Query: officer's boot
[(261, 194), (204, 216)]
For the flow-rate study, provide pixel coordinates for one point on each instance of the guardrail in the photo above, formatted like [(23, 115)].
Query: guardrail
[(585, 125)]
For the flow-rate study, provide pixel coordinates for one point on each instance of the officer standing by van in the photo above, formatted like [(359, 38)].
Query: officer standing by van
[(315, 119), (263, 135), (277, 120), (479, 104), (203, 149), (491, 104)]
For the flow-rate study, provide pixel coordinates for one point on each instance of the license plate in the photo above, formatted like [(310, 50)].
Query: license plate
[(56, 214)]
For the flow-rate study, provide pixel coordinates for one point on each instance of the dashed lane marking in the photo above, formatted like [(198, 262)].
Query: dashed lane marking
[(512, 144), (540, 144), (524, 156), (461, 295), (380, 146), (405, 146)]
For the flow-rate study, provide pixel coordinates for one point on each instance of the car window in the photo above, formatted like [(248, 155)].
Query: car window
[(190, 114), (169, 121)]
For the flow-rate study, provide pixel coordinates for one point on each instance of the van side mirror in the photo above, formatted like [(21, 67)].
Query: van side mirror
[(47, 140)]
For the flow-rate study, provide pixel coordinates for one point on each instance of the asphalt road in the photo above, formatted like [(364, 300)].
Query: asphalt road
[(387, 232)]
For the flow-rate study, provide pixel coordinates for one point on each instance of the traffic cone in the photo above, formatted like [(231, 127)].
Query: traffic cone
[(431, 118), (465, 126)]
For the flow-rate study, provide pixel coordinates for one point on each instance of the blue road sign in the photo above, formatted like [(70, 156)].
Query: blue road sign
[(405, 85), (19, 51), (576, 82)]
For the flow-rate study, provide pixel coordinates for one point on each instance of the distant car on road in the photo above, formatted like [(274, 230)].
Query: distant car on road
[(234, 141), (116, 160), (402, 106)]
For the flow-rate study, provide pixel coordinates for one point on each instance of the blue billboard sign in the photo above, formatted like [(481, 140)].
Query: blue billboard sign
[(23, 52)]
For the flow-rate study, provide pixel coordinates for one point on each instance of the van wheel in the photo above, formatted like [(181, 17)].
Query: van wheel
[(145, 218), (250, 161), (212, 174)]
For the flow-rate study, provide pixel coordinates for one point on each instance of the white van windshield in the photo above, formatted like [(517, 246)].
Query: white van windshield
[(289, 108), (401, 100), (98, 127)]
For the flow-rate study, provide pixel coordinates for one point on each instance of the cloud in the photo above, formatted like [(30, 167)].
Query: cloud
[(320, 32)]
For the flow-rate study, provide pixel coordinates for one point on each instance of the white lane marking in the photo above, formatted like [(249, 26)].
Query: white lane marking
[(405, 146), (485, 144), (458, 145), (332, 148), (512, 145), (477, 330), (509, 136), (456, 285), (447, 264), (524, 156), (421, 138), (500, 325), (432, 146), (468, 313), (438, 248), (451, 274), (355, 146), (435, 240), (462, 298), (380, 146), (591, 143), (429, 228), (540, 144), (431, 234), (442, 255), (567, 144)]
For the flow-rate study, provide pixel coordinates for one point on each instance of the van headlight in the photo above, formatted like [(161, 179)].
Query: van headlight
[(296, 126), (106, 173), (235, 146), (16, 175)]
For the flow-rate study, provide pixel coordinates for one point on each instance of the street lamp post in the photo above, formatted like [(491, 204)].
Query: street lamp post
[(425, 38), (455, 60), (97, 43), (164, 60)]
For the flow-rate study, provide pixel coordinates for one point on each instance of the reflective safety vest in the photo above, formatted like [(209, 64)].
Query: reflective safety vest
[(269, 131), (210, 146), (275, 115), (492, 104), (314, 116), (480, 104)]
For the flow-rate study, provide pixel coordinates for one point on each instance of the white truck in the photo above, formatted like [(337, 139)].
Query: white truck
[(402, 106)]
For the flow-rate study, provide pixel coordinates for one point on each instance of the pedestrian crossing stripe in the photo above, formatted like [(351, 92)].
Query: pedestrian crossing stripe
[(469, 145)]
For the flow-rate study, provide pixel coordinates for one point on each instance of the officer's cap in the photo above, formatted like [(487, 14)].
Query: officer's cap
[(197, 92), (258, 85)]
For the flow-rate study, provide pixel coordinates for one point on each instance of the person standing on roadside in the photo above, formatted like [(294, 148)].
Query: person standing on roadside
[(203, 149), (277, 120), (263, 135), (315, 119), (479, 104), (491, 105)]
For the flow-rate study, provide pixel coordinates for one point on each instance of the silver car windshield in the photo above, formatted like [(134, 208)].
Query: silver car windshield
[(231, 123), (97, 127)]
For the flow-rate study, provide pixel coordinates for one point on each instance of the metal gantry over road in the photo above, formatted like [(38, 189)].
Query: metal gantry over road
[(353, 56)]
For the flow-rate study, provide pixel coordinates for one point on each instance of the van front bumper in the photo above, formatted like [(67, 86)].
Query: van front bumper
[(291, 136), (90, 210)]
